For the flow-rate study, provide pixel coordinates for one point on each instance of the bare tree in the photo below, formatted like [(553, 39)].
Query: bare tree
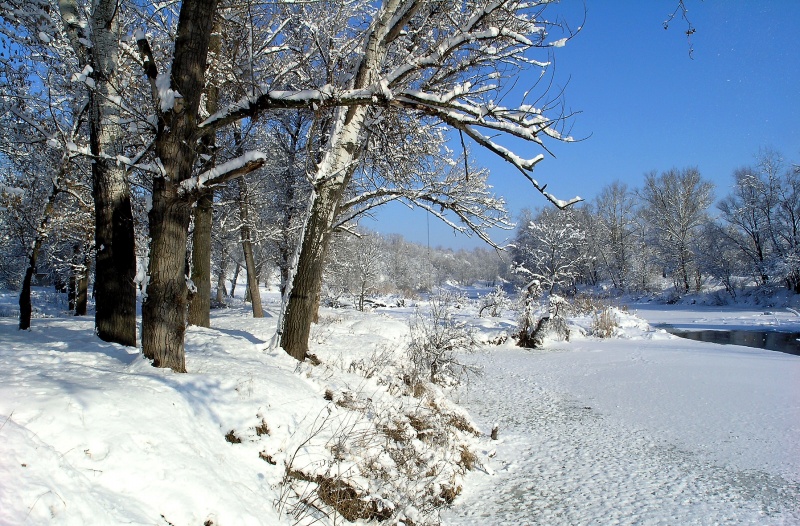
[(550, 249), (615, 225), (674, 208)]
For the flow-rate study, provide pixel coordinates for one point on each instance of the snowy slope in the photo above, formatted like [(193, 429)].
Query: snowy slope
[(90, 433)]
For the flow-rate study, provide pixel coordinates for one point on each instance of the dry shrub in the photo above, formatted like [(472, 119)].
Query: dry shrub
[(462, 424), (583, 304), (604, 321), (232, 438), (449, 493), (437, 339), (377, 363), (420, 425), (396, 431), (266, 457), (412, 450)]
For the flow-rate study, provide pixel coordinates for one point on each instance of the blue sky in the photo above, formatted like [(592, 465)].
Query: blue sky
[(645, 105)]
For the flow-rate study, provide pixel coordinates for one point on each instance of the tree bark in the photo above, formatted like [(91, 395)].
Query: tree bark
[(200, 304), (223, 271), (235, 278), (82, 293), (307, 283), (164, 310), (115, 257), (72, 286), (336, 168), (115, 268), (247, 250)]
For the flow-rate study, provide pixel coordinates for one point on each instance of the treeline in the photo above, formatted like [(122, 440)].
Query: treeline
[(670, 229)]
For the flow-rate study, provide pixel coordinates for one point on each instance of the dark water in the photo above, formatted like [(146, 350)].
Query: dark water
[(786, 342)]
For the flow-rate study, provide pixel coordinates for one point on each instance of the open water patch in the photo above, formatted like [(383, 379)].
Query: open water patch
[(785, 342)]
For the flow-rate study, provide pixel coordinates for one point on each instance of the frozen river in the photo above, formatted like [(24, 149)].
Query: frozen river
[(649, 430)]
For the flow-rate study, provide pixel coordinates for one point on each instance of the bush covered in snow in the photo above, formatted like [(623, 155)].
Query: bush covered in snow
[(437, 340)]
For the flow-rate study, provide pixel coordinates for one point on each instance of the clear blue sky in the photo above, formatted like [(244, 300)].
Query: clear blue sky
[(645, 105)]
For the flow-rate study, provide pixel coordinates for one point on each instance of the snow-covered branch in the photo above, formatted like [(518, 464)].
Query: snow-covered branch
[(232, 169)]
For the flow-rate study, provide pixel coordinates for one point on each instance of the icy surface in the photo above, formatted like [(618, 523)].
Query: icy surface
[(642, 431)]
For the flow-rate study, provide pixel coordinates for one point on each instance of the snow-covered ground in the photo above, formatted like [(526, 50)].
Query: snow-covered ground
[(664, 431), (642, 429)]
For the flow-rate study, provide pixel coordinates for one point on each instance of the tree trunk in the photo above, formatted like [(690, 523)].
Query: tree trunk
[(200, 304), (235, 278), (247, 250), (337, 166), (72, 283), (82, 293), (307, 283), (164, 311), (115, 267), (223, 271), (25, 306)]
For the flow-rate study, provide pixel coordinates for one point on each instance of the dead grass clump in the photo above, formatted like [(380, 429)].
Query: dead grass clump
[(468, 459), (449, 493), (396, 432), (584, 304), (416, 387), (347, 501), (418, 390), (421, 426), (462, 424), (455, 420), (266, 457), (232, 438), (262, 429), (498, 340)]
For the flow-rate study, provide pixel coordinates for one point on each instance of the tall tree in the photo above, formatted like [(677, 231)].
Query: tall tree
[(675, 209), (615, 224), (97, 51), (366, 73)]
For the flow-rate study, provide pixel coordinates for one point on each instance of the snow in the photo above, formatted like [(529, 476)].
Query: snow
[(220, 170), (700, 317), (652, 429), (84, 77), (645, 428), (166, 95)]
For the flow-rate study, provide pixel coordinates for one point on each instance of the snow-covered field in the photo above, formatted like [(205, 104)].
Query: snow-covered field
[(642, 429)]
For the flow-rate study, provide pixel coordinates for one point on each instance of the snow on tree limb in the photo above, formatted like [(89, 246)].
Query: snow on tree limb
[(232, 169)]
